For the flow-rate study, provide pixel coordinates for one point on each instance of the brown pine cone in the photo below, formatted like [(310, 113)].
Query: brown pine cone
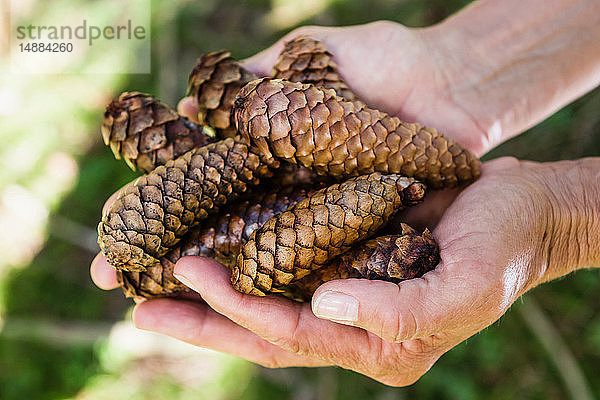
[(403, 255), (394, 258), (153, 213), (217, 78), (397, 257), (215, 82), (313, 127), (304, 59), (220, 237), (328, 223), (156, 281), (147, 133)]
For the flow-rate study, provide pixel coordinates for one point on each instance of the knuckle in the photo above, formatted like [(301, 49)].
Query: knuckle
[(402, 365), (286, 343), (401, 381), (272, 362), (404, 326), (303, 30), (509, 161), (288, 338), (386, 27), (383, 24)]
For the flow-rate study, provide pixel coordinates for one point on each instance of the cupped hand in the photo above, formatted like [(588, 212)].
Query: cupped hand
[(387, 65), (493, 245), (406, 72)]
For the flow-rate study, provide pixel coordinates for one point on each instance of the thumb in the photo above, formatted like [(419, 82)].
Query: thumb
[(412, 309)]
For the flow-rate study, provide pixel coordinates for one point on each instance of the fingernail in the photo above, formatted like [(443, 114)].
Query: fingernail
[(184, 279), (146, 320), (337, 307)]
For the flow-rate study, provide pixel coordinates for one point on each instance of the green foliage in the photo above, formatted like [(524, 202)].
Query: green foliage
[(34, 370)]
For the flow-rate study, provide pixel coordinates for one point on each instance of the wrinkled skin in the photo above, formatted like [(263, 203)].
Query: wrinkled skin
[(494, 237)]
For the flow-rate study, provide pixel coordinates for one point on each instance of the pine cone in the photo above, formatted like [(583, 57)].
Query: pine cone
[(220, 237), (403, 255), (153, 213), (147, 133), (215, 82), (156, 281), (304, 59), (217, 79), (310, 234), (394, 258), (305, 125)]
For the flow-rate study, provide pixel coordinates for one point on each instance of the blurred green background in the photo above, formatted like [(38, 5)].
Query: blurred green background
[(61, 337)]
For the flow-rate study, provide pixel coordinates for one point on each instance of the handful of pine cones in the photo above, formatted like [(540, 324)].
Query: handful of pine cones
[(285, 180)]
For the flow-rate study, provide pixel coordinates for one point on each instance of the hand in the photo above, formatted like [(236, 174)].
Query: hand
[(503, 235), (481, 76), (393, 68)]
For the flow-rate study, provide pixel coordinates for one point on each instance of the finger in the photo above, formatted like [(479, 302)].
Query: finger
[(188, 107), (110, 201), (282, 322), (103, 275), (293, 327), (199, 325), (441, 301)]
